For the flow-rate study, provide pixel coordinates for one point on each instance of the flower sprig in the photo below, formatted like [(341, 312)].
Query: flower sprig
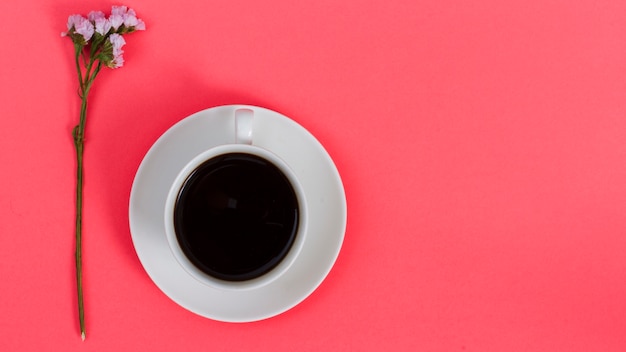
[(98, 41), (103, 35)]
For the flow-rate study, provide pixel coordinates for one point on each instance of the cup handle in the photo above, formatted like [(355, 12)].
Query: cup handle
[(243, 126)]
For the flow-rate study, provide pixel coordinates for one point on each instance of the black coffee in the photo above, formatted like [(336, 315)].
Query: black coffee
[(236, 216)]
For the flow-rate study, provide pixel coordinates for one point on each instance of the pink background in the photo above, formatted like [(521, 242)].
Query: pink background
[(482, 145)]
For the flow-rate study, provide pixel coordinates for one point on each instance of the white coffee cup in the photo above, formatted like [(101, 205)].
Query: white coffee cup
[(243, 131)]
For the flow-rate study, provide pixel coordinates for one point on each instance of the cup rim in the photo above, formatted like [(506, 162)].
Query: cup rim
[(284, 263)]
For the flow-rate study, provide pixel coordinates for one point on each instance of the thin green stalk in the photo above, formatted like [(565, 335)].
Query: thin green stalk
[(78, 143), (78, 134), (78, 49)]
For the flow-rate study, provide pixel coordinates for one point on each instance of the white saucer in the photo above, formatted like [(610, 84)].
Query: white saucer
[(325, 204)]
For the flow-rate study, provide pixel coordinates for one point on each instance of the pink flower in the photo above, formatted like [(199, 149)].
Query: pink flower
[(122, 15), (117, 42), (94, 15), (80, 25), (141, 26), (130, 18), (117, 62), (119, 10), (116, 21), (102, 25), (73, 20), (85, 28), (109, 43)]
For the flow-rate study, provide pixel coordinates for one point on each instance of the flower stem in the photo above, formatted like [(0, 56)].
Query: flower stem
[(79, 146), (78, 135), (78, 143)]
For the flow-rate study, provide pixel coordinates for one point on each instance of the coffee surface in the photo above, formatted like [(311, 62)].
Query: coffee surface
[(236, 216)]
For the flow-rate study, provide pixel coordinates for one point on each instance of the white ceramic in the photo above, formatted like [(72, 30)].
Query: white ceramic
[(302, 159)]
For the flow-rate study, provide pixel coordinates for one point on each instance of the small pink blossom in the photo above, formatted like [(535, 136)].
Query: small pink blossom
[(86, 29), (117, 62), (130, 21), (117, 41), (72, 21), (119, 10), (116, 21), (122, 15), (130, 18), (119, 16), (80, 25), (94, 15), (102, 26), (141, 26)]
